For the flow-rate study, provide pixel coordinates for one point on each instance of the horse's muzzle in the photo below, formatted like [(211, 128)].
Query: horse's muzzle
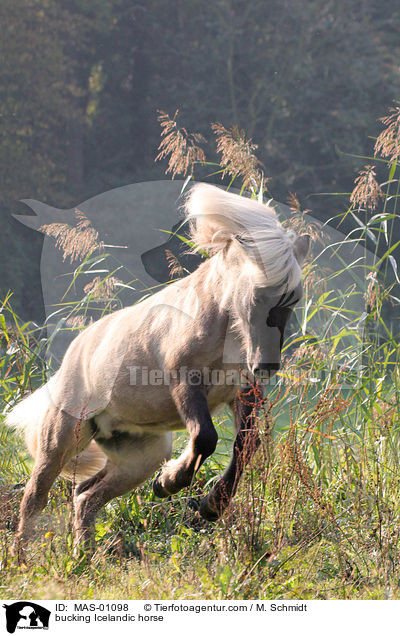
[(266, 366)]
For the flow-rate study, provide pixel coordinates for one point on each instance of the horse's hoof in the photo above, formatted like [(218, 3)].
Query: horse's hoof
[(207, 513), (159, 490), (194, 504)]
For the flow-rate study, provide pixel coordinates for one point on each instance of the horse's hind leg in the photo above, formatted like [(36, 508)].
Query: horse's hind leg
[(131, 460), (246, 443), (61, 437)]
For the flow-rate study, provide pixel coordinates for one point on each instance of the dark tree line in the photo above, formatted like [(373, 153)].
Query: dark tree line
[(81, 82)]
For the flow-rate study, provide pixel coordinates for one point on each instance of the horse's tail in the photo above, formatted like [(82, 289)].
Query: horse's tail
[(89, 462), (28, 416)]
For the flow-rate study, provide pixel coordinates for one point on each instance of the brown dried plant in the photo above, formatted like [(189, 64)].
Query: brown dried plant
[(374, 295), (79, 321), (388, 142), (315, 279), (305, 357), (300, 222), (102, 289), (367, 190), (181, 146), (237, 155), (293, 202), (175, 268), (75, 242), (385, 414), (293, 462), (327, 410)]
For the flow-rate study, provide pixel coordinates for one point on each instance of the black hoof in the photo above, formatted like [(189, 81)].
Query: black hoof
[(159, 490), (194, 504), (207, 513)]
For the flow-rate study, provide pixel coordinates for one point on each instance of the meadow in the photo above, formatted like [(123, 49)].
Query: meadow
[(316, 515)]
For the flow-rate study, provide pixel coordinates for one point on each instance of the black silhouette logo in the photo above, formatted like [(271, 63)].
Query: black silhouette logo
[(157, 261), (26, 615)]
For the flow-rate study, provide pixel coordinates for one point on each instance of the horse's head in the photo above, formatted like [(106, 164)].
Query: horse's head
[(257, 269), (269, 315)]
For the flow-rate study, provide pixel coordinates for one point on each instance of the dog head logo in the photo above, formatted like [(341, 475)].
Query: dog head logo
[(26, 615)]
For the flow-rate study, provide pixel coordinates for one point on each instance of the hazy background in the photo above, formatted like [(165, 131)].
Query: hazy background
[(81, 82)]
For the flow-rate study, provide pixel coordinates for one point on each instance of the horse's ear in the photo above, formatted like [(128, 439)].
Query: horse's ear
[(301, 246)]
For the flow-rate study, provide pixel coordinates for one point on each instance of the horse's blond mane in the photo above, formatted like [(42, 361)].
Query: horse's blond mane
[(217, 217)]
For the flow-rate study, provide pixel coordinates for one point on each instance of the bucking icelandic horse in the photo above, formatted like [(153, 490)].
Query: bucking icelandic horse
[(103, 421)]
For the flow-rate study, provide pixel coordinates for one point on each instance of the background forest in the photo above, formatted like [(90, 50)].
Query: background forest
[(81, 82)]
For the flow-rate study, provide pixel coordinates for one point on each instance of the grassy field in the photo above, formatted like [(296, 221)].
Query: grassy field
[(293, 531), (317, 513)]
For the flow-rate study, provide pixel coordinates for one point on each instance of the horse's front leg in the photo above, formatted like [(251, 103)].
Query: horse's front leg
[(246, 443), (191, 403)]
